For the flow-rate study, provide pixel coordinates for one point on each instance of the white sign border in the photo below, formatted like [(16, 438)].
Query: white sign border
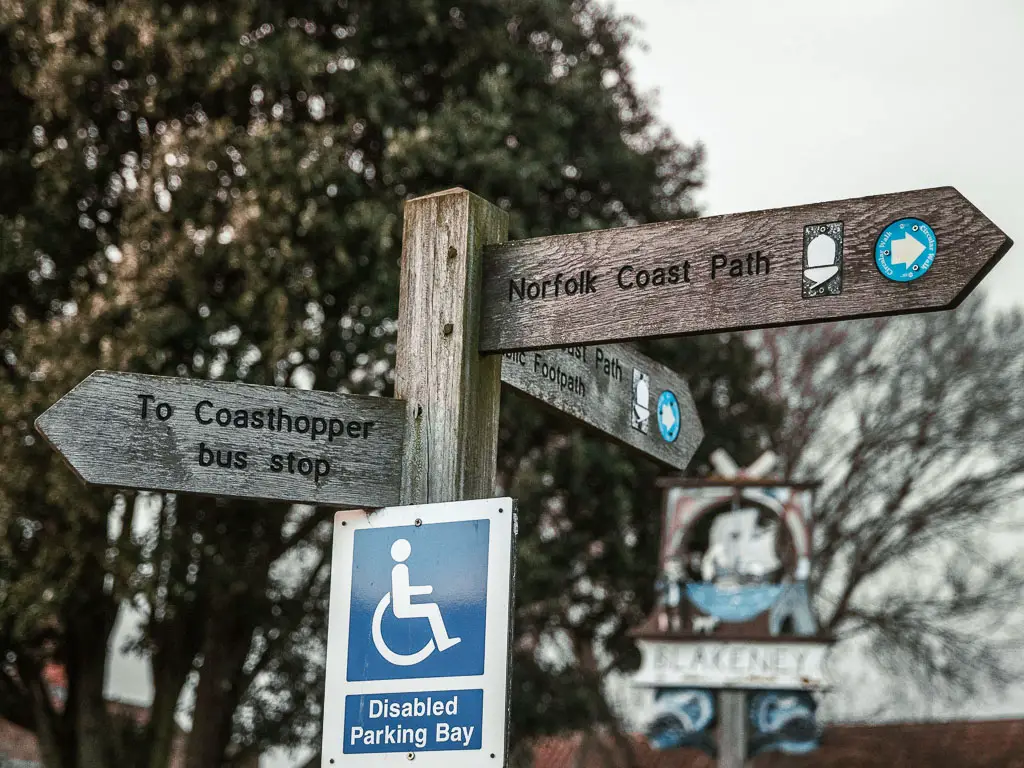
[(495, 679)]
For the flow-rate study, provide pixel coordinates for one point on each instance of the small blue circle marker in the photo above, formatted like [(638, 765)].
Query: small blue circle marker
[(905, 250), (668, 416)]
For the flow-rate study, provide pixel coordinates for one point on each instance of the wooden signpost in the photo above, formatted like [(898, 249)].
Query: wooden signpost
[(465, 293), (227, 439), (813, 263), (616, 390)]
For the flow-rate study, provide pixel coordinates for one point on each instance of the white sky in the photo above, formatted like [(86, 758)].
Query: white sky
[(801, 101)]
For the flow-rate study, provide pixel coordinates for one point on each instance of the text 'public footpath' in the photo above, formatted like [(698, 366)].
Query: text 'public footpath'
[(545, 366)]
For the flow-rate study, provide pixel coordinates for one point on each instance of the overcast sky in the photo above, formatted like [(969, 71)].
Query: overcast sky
[(801, 101)]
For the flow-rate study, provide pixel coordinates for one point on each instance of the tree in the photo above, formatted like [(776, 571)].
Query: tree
[(214, 190), (916, 428)]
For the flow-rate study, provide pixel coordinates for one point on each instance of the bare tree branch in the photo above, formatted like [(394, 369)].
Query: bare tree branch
[(915, 428)]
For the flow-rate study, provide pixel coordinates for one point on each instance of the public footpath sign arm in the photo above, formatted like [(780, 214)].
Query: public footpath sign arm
[(228, 439), (616, 390), (418, 636), (885, 255)]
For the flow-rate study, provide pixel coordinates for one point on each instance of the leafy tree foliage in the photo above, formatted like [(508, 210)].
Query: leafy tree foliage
[(214, 190)]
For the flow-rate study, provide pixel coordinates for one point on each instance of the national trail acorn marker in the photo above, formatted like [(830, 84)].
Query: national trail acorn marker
[(228, 439), (616, 390), (885, 255)]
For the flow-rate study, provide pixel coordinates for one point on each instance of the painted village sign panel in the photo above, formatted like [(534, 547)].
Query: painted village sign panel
[(735, 563), (733, 611)]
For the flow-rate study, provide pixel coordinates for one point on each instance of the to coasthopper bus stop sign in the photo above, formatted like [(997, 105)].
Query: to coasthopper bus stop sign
[(162, 433), (885, 255), (418, 637)]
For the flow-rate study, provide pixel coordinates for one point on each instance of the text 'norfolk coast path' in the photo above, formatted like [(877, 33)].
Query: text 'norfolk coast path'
[(227, 439), (885, 255)]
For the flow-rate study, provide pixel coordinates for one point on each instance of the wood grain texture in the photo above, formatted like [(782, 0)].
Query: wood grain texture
[(353, 460), (595, 385), (968, 246), (732, 729), (452, 392)]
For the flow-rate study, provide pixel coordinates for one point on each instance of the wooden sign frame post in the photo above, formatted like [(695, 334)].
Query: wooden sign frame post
[(732, 728), (452, 393), (732, 717)]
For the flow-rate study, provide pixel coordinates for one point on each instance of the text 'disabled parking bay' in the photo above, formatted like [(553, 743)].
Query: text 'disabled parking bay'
[(418, 644)]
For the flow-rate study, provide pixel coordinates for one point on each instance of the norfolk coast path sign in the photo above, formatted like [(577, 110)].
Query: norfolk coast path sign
[(616, 390), (227, 439), (885, 255)]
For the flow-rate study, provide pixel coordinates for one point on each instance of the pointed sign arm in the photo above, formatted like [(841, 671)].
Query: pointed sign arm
[(161, 433), (736, 272)]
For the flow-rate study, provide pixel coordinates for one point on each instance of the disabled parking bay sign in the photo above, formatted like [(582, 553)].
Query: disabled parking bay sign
[(419, 636)]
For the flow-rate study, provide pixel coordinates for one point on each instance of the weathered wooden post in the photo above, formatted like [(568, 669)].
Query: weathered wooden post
[(438, 697), (451, 392), (732, 729), (732, 703)]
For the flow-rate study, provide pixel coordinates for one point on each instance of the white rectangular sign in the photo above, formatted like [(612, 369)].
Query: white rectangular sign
[(732, 664), (419, 636)]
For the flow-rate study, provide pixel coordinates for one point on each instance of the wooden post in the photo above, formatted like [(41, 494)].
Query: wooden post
[(732, 729), (451, 392), (732, 708)]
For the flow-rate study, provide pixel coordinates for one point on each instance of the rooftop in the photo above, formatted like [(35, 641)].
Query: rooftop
[(966, 744)]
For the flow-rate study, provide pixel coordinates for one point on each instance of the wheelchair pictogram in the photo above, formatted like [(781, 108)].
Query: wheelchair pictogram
[(400, 600), (418, 601)]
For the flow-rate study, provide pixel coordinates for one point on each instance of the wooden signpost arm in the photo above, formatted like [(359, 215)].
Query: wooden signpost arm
[(451, 392), (808, 264)]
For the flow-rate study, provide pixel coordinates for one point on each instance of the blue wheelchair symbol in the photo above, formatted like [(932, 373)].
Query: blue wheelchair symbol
[(393, 632), (400, 598)]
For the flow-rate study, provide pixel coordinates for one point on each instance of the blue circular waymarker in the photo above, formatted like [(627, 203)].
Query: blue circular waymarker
[(668, 416), (905, 250)]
